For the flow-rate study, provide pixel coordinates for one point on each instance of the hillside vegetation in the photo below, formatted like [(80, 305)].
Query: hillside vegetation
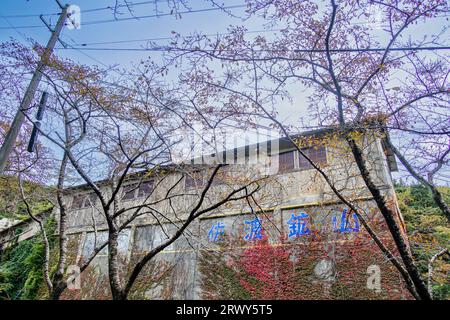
[(11, 204), (428, 231)]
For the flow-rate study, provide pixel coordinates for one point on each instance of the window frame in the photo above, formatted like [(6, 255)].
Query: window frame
[(85, 198), (298, 157), (133, 188), (294, 159), (309, 167), (150, 183)]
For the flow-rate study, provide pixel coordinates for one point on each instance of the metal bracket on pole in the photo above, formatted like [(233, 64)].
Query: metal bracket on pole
[(37, 124)]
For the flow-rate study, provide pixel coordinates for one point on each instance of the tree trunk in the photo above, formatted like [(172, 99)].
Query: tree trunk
[(113, 264), (58, 277), (389, 217), (58, 289), (430, 269)]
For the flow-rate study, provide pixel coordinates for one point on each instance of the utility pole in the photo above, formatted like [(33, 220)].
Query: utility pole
[(13, 132)]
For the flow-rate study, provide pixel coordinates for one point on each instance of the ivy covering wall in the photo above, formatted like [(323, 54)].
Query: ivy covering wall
[(264, 271), (289, 272), (21, 267)]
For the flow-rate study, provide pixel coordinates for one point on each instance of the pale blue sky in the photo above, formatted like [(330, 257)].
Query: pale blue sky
[(210, 22), (207, 22), (146, 28)]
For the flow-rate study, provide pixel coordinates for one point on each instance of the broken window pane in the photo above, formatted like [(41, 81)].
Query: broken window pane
[(77, 202), (84, 201)]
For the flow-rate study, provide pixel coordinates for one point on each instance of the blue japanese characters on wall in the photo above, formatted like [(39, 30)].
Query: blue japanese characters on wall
[(217, 232), (346, 224), (298, 225), (253, 229)]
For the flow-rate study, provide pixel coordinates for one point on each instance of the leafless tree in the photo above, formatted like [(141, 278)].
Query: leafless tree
[(109, 135), (355, 82)]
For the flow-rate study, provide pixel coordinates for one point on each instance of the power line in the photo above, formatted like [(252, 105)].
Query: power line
[(170, 38), (15, 29), (32, 15), (374, 49), (129, 5), (123, 5), (87, 55), (166, 48), (23, 27), (157, 15), (163, 14)]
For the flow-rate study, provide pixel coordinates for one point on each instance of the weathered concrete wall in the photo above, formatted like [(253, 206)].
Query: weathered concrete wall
[(329, 262), (297, 187), (333, 263)]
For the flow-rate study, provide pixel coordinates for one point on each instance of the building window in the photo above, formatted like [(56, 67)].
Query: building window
[(129, 192), (286, 162), (145, 188), (84, 201), (136, 190), (77, 202), (193, 180), (317, 154)]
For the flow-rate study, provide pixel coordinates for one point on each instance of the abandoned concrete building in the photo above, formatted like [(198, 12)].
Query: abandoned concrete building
[(231, 253)]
